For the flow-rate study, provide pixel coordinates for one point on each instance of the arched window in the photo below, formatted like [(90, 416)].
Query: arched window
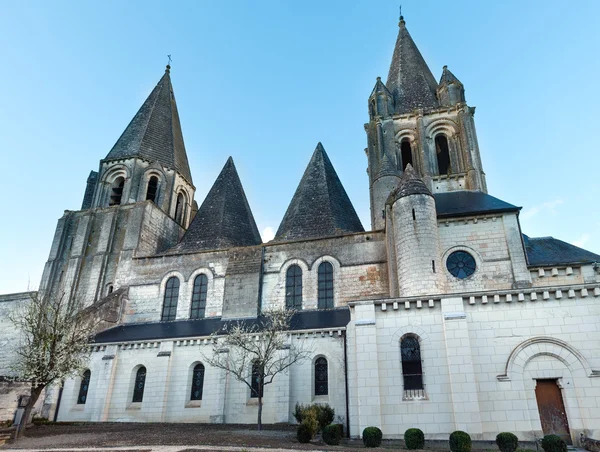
[(169, 310), (406, 153), (257, 383), (321, 378), (412, 371), (197, 382), (293, 287), (180, 208), (140, 383), (152, 189), (199, 297), (443, 154), (83, 387), (116, 191), (325, 286)]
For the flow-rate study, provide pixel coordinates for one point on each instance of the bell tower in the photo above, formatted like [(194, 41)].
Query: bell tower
[(415, 120)]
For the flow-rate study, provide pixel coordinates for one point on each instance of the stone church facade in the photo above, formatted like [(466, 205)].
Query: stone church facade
[(442, 316)]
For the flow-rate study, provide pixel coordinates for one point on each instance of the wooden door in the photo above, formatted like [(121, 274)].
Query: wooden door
[(552, 409)]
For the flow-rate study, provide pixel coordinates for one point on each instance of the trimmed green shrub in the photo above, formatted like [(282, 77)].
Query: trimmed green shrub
[(372, 437), (304, 434), (332, 435), (323, 413), (414, 438), (460, 441), (507, 442), (552, 443), (340, 428), (298, 412)]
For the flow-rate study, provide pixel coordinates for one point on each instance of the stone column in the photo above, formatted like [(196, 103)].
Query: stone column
[(221, 394), (463, 387), (166, 351)]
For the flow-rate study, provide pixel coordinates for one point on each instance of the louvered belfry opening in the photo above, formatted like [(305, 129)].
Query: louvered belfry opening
[(443, 154), (152, 189), (117, 191)]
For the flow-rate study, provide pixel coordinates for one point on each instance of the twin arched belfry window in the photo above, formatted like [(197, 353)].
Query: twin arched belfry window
[(116, 191), (152, 189), (442, 151), (412, 369)]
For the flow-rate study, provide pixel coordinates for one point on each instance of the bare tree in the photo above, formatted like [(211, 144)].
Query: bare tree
[(54, 345), (256, 352)]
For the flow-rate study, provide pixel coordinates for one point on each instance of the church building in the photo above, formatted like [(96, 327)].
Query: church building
[(442, 315)]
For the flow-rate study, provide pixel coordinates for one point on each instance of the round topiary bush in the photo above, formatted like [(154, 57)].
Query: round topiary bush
[(372, 437), (507, 442), (414, 439), (304, 433), (332, 435), (552, 443), (460, 441)]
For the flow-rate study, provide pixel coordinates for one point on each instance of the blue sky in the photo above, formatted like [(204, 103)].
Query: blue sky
[(265, 81)]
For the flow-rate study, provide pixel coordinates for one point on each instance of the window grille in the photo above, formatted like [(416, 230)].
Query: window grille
[(321, 377), (83, 387), (197, 382), (199, 297), (169, 310), (412, 370), (293, 287), (325, 286), (140, 382)]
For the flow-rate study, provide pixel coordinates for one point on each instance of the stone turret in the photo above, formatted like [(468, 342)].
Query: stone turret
[(450, 90), (413, 240)]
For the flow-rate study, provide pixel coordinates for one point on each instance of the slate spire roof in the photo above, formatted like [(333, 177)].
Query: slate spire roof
[(224, 219), (410, 184), (410, 80), (320, 207), (448, 77), (154, 133)]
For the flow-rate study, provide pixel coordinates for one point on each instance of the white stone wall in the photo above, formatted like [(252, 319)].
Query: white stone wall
[(224, 399)]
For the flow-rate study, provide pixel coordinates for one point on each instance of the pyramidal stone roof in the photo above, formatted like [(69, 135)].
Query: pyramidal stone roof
[(320, 207), (448, 77), (224, 219), (154, 133), (410, 184), (410, 80)]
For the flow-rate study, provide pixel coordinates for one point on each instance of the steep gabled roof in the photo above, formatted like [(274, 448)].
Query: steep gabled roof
[(410, 80), (546, 251), (320, 207), (224, 219), (154, 133)]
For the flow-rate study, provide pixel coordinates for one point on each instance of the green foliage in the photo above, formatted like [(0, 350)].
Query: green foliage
[(507, 442), (332, 434), (460, 441), (372, 437), (552, 443), (414, 438), (323, 413), (341, 429), (304, 434)]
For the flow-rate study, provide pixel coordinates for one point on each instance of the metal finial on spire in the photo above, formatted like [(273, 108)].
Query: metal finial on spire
[(401, 17), (401, 13), (169, 63)]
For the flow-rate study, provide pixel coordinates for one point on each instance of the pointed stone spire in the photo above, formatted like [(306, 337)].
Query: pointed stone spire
[(410, 80), (410, 184), (450, 91), (320, 207), (154, 134), (381, 101), (224, 219)]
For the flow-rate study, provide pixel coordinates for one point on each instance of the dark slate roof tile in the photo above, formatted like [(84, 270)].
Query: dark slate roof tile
[(224, 219), (410, 80), (320, 207), (548, 251), (463, 203), (154, 133), (302, 320)]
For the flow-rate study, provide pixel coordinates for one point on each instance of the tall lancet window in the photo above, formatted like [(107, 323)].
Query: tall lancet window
[(169, 310), (139, 385), (293, 287), (116, 191), (152, 189), (321, 377), (325, 286), (406, 154), (84, 387), (412, 370), (199, 297), (180, 208), (443, 154)]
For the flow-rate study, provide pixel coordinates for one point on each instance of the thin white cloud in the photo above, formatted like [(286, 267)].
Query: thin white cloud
[(548, 207), (581, 241), (268, 234)]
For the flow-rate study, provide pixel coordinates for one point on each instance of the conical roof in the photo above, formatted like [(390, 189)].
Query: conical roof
[(380, 88), (154, 133), (224, 219), (410, 80), (410, 184), (320, 207), (448, 77)]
